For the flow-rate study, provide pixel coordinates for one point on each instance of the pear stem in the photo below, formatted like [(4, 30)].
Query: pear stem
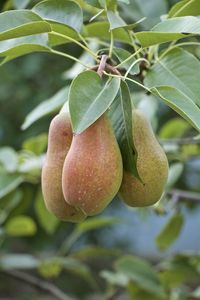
[(102, 65)]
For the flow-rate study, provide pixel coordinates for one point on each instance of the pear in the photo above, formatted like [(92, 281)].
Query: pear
[(59, 141), (152, 166), (92, 171)]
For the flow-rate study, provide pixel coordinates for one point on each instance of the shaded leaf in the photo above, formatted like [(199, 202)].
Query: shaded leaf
[(48, 222), (175, 171), (121, 117), (122, 55), (140, 272), (170, 232), (37, 144), (9, 182), (102, 30), (8, 158), (96, 223), (89, 98), (48, 106)]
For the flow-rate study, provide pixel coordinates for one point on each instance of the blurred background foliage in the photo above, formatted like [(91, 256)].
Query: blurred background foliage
[(100, 256)]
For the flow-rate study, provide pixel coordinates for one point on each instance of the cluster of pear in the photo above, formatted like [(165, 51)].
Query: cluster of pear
[(82, 173)]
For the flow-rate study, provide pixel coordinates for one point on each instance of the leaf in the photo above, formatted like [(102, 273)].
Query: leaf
[(115, 20), (140, 272), (37, 144), (179, 102), (138, 9), (94, 3), (50, 268), (18, 23), (169, 30), (174, 128), (60, 34), (170, 232), (24, 45), (18, 261), (96, 223), (185, 8), (175, 171), (101, 30), (117, 279), (19, 4), (48, 106), (9, 182), (62, 11), (20, 226), (96, 251), (48, 222), (179, 69), (121, 117), (122, 55), (8, 158), (89, 98)]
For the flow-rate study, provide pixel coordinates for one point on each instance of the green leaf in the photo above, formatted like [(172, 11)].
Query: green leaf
[(170, 232), (18, 23), (174, 128), (18, 261), (48, 222), (121, 117), (122, 55), (37, 144), (89, 98), (138, 9), (50, 268), (9, 159), (62, 11), (115, 20), (101, 30), (63, 32), (178, 68), (20, 226), (19, 4), (96, 223), (117, 279), (179, 102), (94, 3), (170, 30), (96, 251), (9, 182), (185, 8), (48, 106), (24, 45), (175, 171), (141, 273)]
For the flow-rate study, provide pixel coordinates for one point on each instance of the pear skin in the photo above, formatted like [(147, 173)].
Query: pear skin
[(92, 171), (152, 166), (59, 141)]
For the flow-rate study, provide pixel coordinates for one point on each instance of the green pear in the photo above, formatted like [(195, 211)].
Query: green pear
[(152, 166), (92, 171), (59, 141)]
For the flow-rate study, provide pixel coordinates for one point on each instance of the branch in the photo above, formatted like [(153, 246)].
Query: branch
[(183, 141), (40, 284), (180, 194)]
